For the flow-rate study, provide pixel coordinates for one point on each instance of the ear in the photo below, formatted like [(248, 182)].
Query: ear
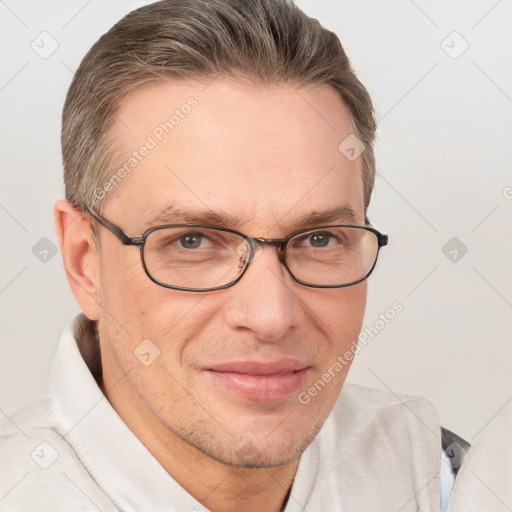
[(80, 257)]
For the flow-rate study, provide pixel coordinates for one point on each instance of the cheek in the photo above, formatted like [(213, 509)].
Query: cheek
[(135, 309), (341, 315), (125, 297), (126, 290), (122, 282)]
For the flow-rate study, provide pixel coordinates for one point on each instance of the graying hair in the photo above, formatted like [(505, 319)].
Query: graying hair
[(266, 41)]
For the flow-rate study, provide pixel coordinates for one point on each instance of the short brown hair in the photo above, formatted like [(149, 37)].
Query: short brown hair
[(268, 41)]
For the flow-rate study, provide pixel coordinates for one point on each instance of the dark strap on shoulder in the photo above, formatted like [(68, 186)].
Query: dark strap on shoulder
[(455, 448)]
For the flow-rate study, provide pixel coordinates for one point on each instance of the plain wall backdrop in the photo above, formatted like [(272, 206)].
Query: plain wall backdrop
[(440, 76)]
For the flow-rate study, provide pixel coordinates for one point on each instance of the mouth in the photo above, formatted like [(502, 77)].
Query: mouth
[(258, 381)]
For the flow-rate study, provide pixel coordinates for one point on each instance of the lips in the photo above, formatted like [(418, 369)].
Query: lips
[(260, 381)]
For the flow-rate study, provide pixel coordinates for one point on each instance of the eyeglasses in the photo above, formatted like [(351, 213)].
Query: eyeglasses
[(199, 258)]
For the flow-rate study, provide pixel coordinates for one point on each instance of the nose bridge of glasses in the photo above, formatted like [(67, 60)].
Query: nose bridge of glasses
[(259, 243)]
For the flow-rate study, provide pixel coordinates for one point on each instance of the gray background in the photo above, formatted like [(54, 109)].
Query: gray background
[(444, 156)]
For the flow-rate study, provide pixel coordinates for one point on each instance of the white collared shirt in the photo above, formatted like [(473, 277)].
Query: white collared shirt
[(377, 451)]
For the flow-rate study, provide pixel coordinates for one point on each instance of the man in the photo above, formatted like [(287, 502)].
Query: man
[(218, 159)]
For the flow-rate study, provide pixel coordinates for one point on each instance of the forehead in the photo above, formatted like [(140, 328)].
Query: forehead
[(259, 155)]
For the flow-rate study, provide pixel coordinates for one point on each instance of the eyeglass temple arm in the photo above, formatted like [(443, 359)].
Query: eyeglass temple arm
[(383, 239), (118, 232)]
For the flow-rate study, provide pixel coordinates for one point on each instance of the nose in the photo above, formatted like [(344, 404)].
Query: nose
[(265, 300)]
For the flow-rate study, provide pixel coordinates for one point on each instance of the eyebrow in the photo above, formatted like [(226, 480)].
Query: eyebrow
[(344, 214), (175, 215)]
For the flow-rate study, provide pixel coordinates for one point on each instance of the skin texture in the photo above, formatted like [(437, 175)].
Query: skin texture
[(261, 157)]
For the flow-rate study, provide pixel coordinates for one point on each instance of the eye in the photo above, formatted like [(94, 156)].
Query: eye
[(320, 239), (187, 240), (191, 240), (327, 239)]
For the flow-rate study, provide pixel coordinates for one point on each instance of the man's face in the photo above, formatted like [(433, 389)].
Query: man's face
[(232, 362)]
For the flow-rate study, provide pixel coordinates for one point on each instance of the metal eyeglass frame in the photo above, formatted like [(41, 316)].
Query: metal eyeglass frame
[(279, 243)]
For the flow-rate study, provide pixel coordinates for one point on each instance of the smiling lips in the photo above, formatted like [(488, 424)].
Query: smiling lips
[(260, 381)]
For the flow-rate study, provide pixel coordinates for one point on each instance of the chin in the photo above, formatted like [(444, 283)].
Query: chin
[(252, 451), (249, 455)]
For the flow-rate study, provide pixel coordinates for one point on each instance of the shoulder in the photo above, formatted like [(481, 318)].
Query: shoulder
[(361, 405), (485, 476), (23, 430), (390, 441), (392, 426), (40, 470)]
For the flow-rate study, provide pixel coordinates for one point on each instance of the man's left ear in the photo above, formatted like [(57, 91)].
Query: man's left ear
[(80, 256)]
